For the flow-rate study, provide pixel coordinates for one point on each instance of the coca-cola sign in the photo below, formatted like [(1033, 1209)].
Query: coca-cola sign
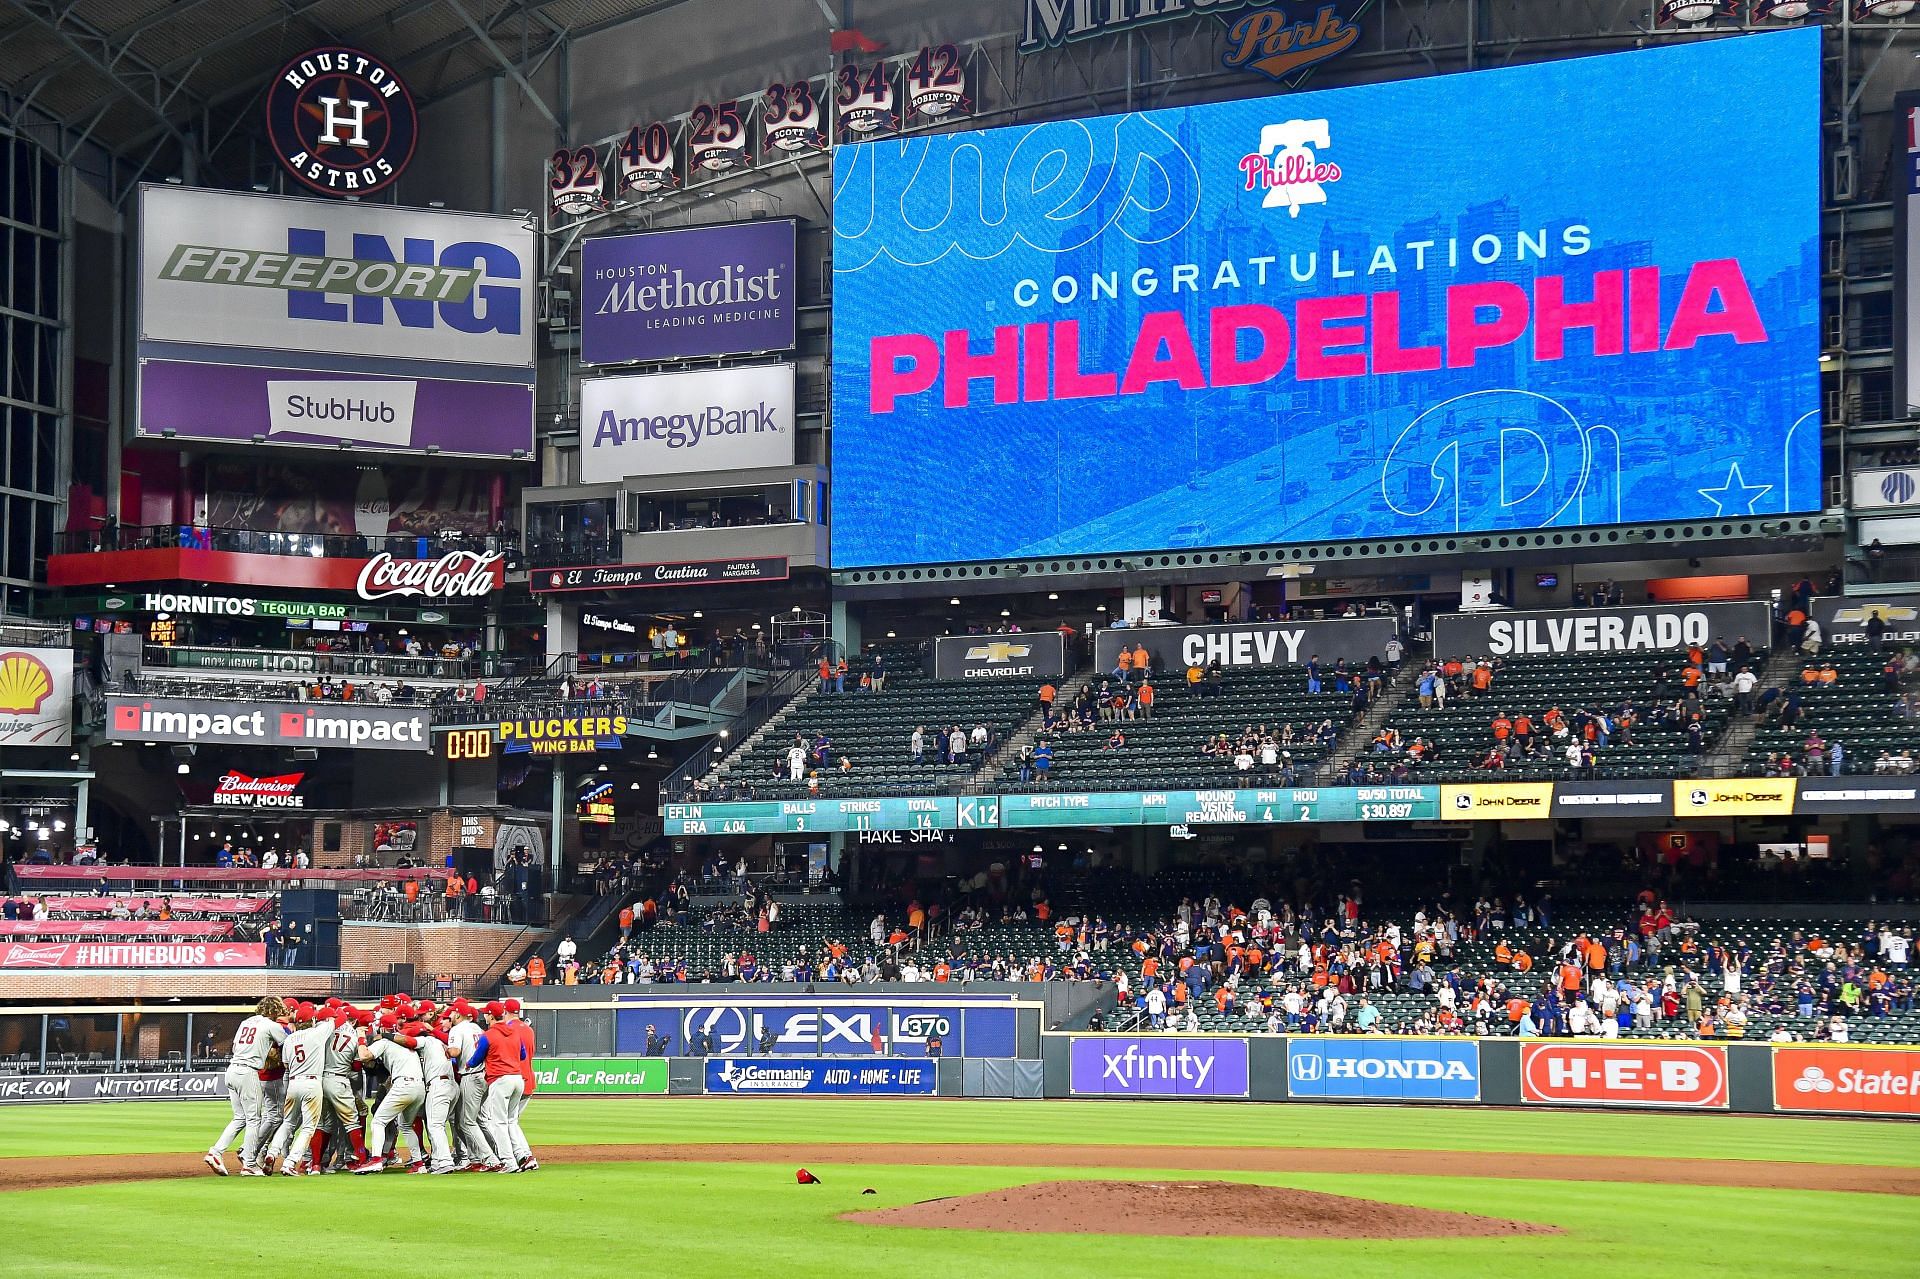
[(455, 575), (240, 790)]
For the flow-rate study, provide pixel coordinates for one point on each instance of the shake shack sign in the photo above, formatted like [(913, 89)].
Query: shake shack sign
[(1654, 628)]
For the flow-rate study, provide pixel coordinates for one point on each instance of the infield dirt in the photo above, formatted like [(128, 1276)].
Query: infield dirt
[(1201, 1209)]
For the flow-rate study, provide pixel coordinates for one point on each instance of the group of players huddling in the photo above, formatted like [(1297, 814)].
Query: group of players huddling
[(315, 1088)]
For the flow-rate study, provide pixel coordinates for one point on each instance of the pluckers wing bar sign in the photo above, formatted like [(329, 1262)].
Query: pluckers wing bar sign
[(628, 577), (562, 734), (341, 121), (1282, 40)]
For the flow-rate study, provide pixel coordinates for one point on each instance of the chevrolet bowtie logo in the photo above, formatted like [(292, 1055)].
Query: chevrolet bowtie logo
[(997, 652), (1885, 612)]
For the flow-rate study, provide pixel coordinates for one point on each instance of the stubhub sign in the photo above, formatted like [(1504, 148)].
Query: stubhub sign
[(1359, 1068)]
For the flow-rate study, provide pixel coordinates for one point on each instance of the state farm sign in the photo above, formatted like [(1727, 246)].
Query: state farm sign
[(1874, 1081), (240, 790), (455, 575), (133, 955), (1629, 1074)]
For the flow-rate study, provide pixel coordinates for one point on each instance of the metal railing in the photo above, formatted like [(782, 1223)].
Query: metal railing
[(387, 666), (269, 542), (676, 786)]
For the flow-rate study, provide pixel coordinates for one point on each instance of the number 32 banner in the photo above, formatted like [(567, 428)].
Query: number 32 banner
[(1581, 292)]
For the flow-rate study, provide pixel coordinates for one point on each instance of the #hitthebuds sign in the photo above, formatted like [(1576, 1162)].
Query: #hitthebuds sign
[(240, 790), (688, 292)]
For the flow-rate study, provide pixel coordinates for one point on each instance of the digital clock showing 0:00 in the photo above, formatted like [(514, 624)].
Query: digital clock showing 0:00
[(468, 743)]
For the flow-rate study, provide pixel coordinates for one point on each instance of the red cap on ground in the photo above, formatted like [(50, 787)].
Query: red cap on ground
[(806, 1178)]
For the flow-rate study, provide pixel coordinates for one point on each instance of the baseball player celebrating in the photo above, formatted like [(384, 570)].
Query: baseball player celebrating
[(336, 1080), (253, 1041), (502, 1051), (430, 1043), (463, 1036), (304, 1053), (406, 1091)]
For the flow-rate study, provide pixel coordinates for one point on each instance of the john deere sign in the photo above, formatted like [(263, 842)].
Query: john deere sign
[(564, 1076)]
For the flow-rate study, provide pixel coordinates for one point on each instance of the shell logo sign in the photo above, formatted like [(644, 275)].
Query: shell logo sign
[(36, 697), (25, 683)]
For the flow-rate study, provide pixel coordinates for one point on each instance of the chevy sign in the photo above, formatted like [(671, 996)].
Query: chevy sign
[(1363, 1068), (1158, 1066)]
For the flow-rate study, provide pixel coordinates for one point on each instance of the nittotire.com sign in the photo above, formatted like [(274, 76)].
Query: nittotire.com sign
[(182, 1086)]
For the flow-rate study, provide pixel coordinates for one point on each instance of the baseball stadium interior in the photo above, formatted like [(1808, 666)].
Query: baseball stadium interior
[(1012, 544)]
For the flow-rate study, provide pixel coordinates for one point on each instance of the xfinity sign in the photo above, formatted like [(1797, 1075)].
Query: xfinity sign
[(683, 423), (1157, 1066), (1375, 1069)]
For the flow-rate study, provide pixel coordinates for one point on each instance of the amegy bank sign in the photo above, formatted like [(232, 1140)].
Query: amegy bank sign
[(204, 721), (1655, 627)]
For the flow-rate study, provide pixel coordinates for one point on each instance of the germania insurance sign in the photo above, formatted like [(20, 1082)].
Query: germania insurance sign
[(341, 121)]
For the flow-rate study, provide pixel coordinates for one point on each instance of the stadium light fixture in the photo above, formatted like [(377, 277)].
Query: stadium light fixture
[(890, 635), (1005, 612), (184, 768), (601, 769), (1053, 595), (651, 752), (955, 601), (633, 785)]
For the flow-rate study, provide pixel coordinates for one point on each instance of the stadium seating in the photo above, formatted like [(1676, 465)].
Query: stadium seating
[(873, 731), (1143, 906), (1460, 734), (1165, 750), (1857, 710)]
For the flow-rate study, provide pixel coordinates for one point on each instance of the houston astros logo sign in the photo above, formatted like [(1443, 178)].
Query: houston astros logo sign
[(341, 121)]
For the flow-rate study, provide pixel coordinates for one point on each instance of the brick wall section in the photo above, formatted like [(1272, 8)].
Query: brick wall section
[(246, 984), (476, 954), (440, 832)]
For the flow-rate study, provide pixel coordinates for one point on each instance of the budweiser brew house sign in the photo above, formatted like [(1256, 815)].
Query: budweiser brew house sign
[(457, 575)]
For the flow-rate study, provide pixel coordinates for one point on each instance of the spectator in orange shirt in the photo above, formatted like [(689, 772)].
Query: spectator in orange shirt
[(1146, 700), (1502, 727)]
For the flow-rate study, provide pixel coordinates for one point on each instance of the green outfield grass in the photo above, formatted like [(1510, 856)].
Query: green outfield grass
[(750, 1219), (186, 1126)]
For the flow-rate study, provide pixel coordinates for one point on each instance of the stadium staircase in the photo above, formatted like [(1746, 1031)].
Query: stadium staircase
[(1353, 742), (1008, 756), (1728, 758)]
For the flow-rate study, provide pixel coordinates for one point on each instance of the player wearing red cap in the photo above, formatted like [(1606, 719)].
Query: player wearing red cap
[(463, 1036), (429, 1042), (406, 1091), (528, 1081), (336, 1080), (502, 1053), (253, 1040), (305, 1054)]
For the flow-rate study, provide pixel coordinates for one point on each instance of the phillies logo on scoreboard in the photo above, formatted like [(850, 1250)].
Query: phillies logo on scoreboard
[(1624, 1074), (1288, 166), (341, 121), (455, 575)]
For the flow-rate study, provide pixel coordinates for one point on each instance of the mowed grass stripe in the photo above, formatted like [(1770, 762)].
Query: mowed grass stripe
[(727, 1220), (186, 1127)]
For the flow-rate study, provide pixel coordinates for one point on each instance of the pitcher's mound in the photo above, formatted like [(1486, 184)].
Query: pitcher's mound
[(1190, 1208)]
